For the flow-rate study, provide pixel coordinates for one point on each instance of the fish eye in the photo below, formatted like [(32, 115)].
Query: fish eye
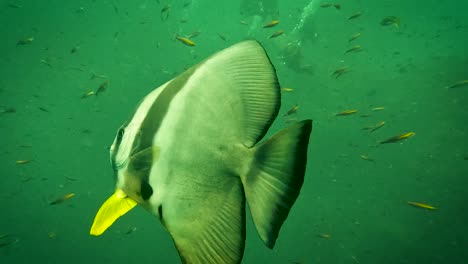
[(120, 134)]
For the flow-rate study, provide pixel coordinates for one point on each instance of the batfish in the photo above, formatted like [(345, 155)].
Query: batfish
[(193, 155)]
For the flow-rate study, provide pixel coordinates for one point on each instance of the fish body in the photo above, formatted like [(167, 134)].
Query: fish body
[(375, 127), (286, 89), (347, 112), (355, 15), (165, 12), (20, 162), (271, 24), (25, 41), (193, 34), (192, 156), (364, 157), (62, 199), (398, 138), (291, 111), (340, 71), (378, 108), (458, 84), (277, 34), (355, 36), (102, 87), (390, 20), (88, 94), (354, 49), (186, 41), (422, 205)]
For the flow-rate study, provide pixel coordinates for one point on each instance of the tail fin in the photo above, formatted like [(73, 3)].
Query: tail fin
[(275, 178)]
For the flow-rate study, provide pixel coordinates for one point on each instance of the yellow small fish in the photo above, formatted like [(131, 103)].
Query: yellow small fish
[(378, 108), (422, 205), (277, 34), (354, 49), (287, 89), (62, 199), (324, 235), (291, 111), (340, 71), (186, 41), (355, 36), (458, 84), (355, 15), (390, 20), (88, 94), (271, 24), (347, 112), (364, 157), (25, 41), (398, 138), (22, 161)]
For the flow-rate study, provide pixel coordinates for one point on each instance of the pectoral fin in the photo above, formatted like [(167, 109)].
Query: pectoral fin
[(113, 208)]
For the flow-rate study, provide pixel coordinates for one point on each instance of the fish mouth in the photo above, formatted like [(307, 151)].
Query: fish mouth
[(112, 209)]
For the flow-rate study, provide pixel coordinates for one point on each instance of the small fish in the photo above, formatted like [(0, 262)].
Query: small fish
[(390, 20), (277, 34), (70, 179), (355, 36), (375, 127), (242, 22), (378, 108), (4, 236), (222, 37), (25, 41), (364, 157), (325, 5), (52, 235), (88, 94), (193, 34), (26, 179), (340, 71), (102, 87), (271, 24), (186, 41), (46, 62), (7, 110), (347, 112), (354, 49), (11, 5), (94, 76), (165, 12), (422, 205), (355, 15), (20, 162), (43, 109), (398, 138), (74, 49), (130, 230), (287, 89), (458, 84), (62, 199), (291, 111), (26, 146), (323, 235)]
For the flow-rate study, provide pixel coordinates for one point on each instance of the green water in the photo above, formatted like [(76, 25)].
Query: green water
[(360, 204)]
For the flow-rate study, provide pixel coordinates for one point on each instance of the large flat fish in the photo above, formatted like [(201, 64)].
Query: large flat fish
[(192, 156)]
